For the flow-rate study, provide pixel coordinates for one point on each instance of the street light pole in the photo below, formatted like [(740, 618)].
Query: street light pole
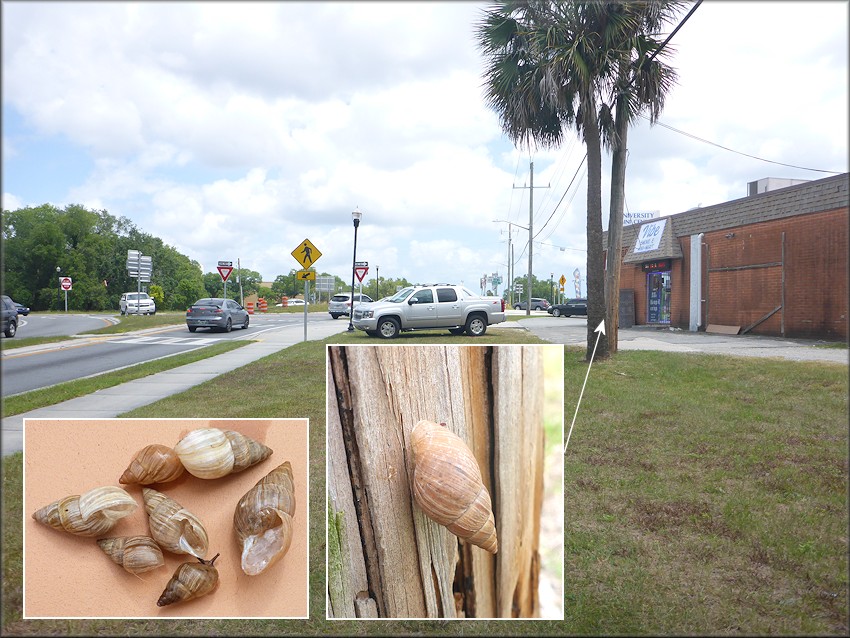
[(377, 281), (58, 288), (355, 216)]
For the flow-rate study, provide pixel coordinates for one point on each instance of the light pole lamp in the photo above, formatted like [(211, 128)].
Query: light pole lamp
[(355, 217)]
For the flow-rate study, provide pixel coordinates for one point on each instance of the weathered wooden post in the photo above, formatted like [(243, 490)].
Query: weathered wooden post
[(386, 558)]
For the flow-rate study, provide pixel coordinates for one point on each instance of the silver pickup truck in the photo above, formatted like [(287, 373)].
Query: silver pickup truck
[(431, 306)]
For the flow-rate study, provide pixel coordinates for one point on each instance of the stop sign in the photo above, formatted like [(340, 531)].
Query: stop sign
[(65, 283)]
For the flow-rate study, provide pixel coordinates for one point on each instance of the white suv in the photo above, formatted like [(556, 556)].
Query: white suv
[(340, 304), (137, 303)]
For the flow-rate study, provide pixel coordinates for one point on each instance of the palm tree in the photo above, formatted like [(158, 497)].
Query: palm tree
[(551, 65)]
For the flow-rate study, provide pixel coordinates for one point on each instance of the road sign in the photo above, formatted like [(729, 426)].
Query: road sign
[(562, 281), (360, 272), (307, 275), (65, 283), (361, 264), (325, 284), (225, 263), (306, 254), (225, 271)]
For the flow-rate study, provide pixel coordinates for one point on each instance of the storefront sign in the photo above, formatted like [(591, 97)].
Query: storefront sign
[(659, 264), (649, 236)]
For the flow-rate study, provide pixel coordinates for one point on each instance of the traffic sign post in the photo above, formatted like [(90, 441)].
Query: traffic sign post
[(66, 284), (306, 254), (360, 272), (224, 269)]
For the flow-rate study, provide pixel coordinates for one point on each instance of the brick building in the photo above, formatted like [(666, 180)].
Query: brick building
[(773, 263)]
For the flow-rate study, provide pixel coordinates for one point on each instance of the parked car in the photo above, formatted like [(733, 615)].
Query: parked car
[(296, 302), (137, 303), (340, 304), (216, 314), (536, 304), (569, 308), (10, 317), (22, 309), (431, 306)]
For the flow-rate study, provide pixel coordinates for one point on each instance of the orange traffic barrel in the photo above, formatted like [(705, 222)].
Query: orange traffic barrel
[(262, 305), (250, 307), (285, 301)]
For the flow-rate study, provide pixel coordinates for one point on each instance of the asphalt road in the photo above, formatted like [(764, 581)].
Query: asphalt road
[(60, 324), (34, 367)]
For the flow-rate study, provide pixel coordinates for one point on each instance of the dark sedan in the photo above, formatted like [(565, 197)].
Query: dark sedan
[(569, 308), (216, 314), (22, 309)]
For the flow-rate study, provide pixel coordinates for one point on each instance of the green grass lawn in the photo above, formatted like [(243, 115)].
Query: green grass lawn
[(704, 495)]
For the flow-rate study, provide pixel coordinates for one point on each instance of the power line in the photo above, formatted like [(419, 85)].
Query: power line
[(732, 150)]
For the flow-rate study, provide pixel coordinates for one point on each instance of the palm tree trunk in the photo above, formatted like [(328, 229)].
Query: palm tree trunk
[(615, 219), (595, 261)]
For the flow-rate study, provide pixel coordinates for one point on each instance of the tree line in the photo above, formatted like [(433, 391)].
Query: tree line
[(43, 243)]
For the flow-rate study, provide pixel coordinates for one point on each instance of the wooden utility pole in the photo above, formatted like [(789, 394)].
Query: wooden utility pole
[(385, 557)]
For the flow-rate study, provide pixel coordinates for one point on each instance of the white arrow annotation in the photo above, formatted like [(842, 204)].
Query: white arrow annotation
[(600, 330)]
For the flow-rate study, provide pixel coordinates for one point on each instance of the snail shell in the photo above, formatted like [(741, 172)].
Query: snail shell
[(448, 487), (136, 554), (211, 453), (93, 513), (263, 520), (190, 580), (152, 464), (173, 526)]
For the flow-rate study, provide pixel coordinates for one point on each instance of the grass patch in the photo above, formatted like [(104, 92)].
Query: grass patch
[(129, 323), (20, 403), (704, 495)]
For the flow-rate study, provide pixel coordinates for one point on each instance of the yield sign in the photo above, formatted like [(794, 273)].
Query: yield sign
[(225, 271), (360, 272)]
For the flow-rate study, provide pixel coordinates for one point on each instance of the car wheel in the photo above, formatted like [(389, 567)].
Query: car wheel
[(245, 323), (193, 328), (457, 331), (556, 312), (476, 326), (122, 313), (389, 328), (334, 315), (372, 333), (516, 307), (228, 326), (11, 329)]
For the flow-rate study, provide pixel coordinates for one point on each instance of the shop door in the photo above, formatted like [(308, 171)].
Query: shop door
[(658, 293)]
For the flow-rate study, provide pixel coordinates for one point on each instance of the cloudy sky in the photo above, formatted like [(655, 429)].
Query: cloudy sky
[(234, 130)]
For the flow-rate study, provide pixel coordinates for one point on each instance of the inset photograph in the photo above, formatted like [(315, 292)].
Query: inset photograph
[(161, 518), (445, 482)]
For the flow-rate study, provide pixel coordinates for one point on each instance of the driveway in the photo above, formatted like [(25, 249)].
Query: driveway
[(573, 331)]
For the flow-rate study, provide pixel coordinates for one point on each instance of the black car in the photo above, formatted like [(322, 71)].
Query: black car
[(569, 308), (10, 316)]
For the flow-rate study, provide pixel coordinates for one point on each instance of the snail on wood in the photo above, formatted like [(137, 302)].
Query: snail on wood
[(153, 464), (210, 453), (92, 513), (173, 526), (263, 520), (448, 487), (207, 453), (190, 580), (136, 554)]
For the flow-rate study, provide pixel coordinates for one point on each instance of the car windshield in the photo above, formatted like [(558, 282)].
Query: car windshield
[(208, 302), (401, 295), (137, 295), (340, 298)]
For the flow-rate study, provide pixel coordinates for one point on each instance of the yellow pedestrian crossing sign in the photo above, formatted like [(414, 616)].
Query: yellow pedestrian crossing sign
[(306, 275), (562, 281), (306, 254)]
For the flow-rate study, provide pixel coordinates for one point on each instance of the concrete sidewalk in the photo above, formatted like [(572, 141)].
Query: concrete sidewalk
[(111, 402)]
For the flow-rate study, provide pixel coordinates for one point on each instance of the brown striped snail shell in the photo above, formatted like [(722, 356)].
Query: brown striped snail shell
[(153, 464), (190, 580), (263, 520), (136, 554), (92, 513), (174, 527), (448, 487), (211, 453)]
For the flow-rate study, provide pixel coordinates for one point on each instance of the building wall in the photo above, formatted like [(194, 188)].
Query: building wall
[(747, 268)]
